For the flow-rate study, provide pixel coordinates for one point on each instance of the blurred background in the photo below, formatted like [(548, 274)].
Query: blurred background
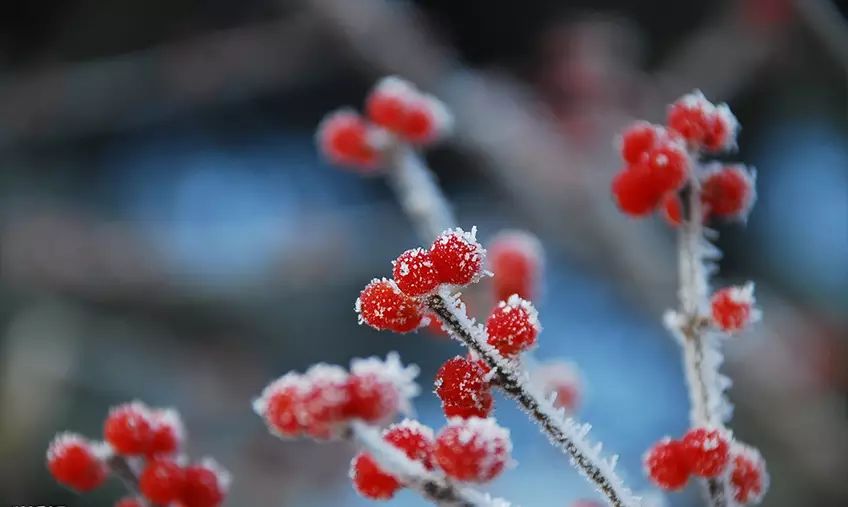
[(169, 233)]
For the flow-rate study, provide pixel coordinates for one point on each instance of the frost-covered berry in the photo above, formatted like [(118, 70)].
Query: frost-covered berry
[(400, 108), (458, 257), (414, 439), (636, 190), (561, 378), (702, 124), (513, 326), (414, 272), (672, 209), (515, 257), (73, 462), (427, 119), (638, 138), (733, 307), (162, 481), (130, 501), (322, 404), (669, 165), (168, 432), (346, 139), (383, 306), (370, 481), (707, 451), (473, 450), (461, 386), (666, 464), (129, 428), (378, 389), (748, 476), (205, 485), (280, 403), (728, 192)]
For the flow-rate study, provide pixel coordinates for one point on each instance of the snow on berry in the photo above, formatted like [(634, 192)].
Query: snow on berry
[(162, 481), (516, 259), (369, 480), (473, 449), (561, 378), (279, 405), (707, 451), (702, 124), (638, 139), (129, 428), (728, 192), (346, 139), (378, 389), (461, 386), (397, 106), (414, 439), (733, 308), (74, 462), (637, 190), (458, 257), (205, 484), (130, 501), (672, 209), (383, 306), (513, 326), (322, 403), (666, 464), (414, 273), (168, 432), (748, 477)]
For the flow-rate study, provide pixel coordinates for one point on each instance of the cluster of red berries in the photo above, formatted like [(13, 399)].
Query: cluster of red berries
[(150, 441), (707, 453), (321, 402), (516, 259), (659, 163), (467, 450), (395, 110), (732, 308), (454, 258)]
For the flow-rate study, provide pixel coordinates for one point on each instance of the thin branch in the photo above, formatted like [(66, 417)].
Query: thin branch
[(563, 432)]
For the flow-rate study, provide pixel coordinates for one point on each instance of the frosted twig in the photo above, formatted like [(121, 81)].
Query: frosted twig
[(411, 473), (564, 432)]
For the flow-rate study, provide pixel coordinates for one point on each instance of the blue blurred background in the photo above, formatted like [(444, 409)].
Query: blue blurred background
[(168, 231)]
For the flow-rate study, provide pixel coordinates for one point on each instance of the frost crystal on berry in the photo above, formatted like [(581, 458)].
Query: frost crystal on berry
[(414, 272), (370, 480), (707, 451), (458, 257), (74, 462), (129, 428), (513, 326), (728, 192), (383, 306), (473, 450), (461, 386), (516, 259), (397, 106), (638, 139), (206, 484), (414, 439), (733, 308), (168, 432), (279, 405), (666, 464), (162, 481), (704, 125), (748, 477)]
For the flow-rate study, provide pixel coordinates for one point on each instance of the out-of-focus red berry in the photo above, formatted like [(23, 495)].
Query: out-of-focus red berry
[(400, 108), (388, 102), (748, 476), (205, 485), (515, 257), (562, 378), (72, 461), (414, 272), (638, 139), (473, 450), (667, 466), (162, 481), (168, 432), (461, 386), (637, 190), (414, 439), (129, 428), (346, 139), (370, 481), (324, 400), (371, 397), (732, 307), (727, 192), (280, 405), (707, 451), (669, 164), (383, 306), (513, 326), (458, 257), (702, 124), (672, 209)]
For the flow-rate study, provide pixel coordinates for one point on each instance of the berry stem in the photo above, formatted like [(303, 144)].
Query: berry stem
[(432, 486), (418, 192), (566, 434)]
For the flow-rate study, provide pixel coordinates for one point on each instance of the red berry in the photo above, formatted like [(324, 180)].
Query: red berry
[(74, 463), (748, 477), (370, 481), (669, 164), (129, 428), (280, 404), (162, 481), (168, 432), (323, 401), (513, 326), (383, 306), (638, 139), (457, 256), (346, 139), (721, 133), (427, 119), (728, 192), (473, 450), (667, 466), (205, 485), (637, 190), (701, 123), (707, 451), (516, 259), (388, 102), (562, 378), (414, 439), (461, 386), (414, 272), (378, 389), (733, 307), (672, 209), (130, 501)]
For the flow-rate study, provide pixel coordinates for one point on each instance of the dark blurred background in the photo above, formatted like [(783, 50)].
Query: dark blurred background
[(169, 233)]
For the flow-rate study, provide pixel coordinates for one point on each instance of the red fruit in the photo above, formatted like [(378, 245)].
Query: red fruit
[(732, 307), (383, 306), (638, 139), (637, 190), (473, 450), (669, 164), (748, 476), (721, 133), (371, 398), (205, 485), (457, 256), (414, 273), (130, 501), (562, 378), (321, 406), (516, 259), (414, 439), (707, 451), (426, 120), (513, 326), (168, 432), (370, 481), (727, 192), (461, 386), (73, 462), (666, 464), (280, 404), (129, 428), (672, 209), (346, 139), (162, 481), (388, 102), (701, 123)]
